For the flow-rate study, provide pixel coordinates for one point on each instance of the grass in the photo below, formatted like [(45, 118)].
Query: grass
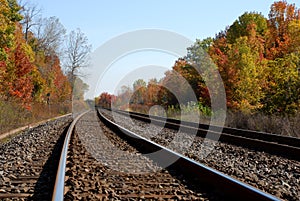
[(283, 125), (13, 116), (287, 125)]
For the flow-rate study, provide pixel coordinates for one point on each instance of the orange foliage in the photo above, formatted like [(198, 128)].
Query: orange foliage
[(105, 100), (280, 16)]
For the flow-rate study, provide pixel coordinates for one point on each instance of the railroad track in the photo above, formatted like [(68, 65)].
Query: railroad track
[(288, 147), (28, 162), (277, 175), (93, 169)]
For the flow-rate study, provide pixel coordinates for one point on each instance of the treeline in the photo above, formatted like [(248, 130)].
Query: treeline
[(258, 59), (30, 68), (32, 49)]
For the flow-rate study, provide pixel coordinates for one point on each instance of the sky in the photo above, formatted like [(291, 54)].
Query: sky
[(102, 21)]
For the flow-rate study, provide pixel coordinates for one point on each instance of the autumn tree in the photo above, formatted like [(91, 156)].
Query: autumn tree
[(45, 36), (16, 56), (58, 86), (29, 61), (105, 100), (279, 40), (199, 70), (282, 47), (190, 74), (258, 59), (175, 89), (123, 97), (153, 88), (139, 92), (18, 73), (251, 72)]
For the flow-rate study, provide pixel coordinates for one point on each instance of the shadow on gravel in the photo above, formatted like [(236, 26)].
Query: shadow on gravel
[(196, 185), (185, 177), (43, 189)]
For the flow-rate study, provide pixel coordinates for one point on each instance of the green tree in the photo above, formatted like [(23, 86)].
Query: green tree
[(294, 34), (9, 15), (240, 27), (283, 93)]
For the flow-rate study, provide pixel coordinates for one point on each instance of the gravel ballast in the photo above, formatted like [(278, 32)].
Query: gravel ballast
[(273, 174), (28, 161), (102, 166)]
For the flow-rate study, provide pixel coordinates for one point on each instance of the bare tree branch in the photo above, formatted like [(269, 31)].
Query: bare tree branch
[(31, 13), (50, 34), (77, 54)]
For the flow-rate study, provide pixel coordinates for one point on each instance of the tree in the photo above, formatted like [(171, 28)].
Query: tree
[(240, 27), (174, 89), (18, 73), (29, 62), (77, 54), (123, 97), (105, 100), (153, 89), (189, 73), (239, 54), (139, 92), (79, 89), (30, 13), (250, 80), (283, 94), (279, 41), (294, 34), (50, 34), (60, 87), (9, 15)]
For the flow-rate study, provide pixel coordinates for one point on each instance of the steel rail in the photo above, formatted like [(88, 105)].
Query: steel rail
[(227, 186), (288, 140), (58, 192), (285, 146)]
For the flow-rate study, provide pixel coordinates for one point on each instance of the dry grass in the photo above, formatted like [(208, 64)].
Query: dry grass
[(13, 116), (284, 125)]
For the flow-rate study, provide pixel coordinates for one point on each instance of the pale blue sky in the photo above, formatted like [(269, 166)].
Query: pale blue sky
[(104, 20), (101, 20)]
